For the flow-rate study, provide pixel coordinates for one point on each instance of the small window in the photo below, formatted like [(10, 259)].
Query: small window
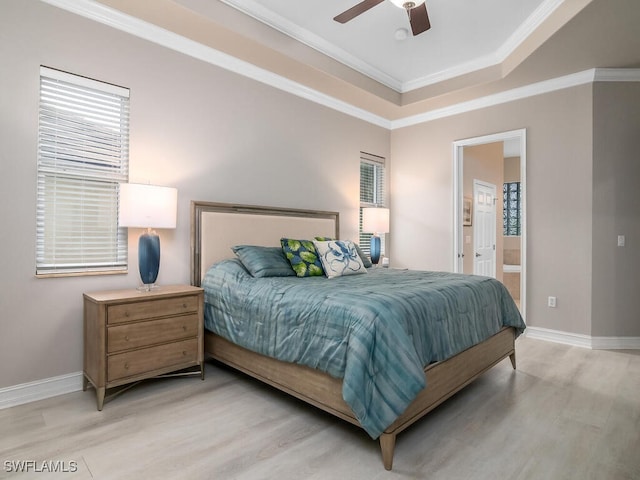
[(83, 155), (511, 209), (372, 192)]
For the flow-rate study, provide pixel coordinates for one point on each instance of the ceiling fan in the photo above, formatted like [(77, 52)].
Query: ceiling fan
[(416, 9)]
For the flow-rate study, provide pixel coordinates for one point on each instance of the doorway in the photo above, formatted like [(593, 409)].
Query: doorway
[(513, 145)]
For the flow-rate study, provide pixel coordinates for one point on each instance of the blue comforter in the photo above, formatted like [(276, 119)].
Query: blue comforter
[(376, 331)]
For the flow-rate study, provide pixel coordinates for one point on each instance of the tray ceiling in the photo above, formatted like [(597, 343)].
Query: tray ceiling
[(465, 36)]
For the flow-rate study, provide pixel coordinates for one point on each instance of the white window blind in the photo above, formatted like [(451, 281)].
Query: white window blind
[(83, 155), (372, 192)]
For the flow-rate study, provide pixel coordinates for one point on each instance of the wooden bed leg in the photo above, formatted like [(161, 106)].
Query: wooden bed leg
[(512, 357), (387, 445)]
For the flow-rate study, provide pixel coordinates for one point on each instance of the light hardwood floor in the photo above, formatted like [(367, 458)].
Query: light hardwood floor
[(565, 413)]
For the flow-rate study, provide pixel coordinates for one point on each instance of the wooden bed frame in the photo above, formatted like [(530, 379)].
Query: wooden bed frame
[(226, 225)]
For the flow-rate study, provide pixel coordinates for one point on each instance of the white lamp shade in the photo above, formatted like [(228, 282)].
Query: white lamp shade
[(147, 206), (375, 220)]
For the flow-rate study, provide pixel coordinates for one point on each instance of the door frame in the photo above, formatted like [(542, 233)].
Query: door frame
[(458, 193)]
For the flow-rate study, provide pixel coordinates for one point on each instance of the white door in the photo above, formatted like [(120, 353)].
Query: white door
[(484, 228)]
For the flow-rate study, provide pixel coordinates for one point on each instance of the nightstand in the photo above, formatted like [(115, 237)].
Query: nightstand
[(131, 335)]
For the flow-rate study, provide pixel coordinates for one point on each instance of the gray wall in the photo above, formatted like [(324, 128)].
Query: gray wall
[(559, 212), (616, 209), (582, 192), (214, 135)]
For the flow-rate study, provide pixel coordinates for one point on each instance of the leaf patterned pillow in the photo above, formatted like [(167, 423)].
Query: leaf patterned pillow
[(302, 256), (339, 257)]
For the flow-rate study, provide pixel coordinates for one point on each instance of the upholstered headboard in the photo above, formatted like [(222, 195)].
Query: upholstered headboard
[(216, 227)]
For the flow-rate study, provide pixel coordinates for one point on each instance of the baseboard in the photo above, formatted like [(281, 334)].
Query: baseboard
[(584, 341), (40, 389), (616, 343), (72, 382)]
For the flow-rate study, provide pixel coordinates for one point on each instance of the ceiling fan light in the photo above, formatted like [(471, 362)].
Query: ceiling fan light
[(407, 4)]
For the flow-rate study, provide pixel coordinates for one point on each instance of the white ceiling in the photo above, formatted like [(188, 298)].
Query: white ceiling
[(465, 35)]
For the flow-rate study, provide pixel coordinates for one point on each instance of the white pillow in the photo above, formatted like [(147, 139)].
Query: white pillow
[(339, 257)]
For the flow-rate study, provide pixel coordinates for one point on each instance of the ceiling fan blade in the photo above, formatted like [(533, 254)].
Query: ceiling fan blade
[(419, 19), (356, 10)]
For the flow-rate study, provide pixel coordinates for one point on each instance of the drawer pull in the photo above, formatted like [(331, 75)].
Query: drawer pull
[(184, 352), (126, 338), (184, 305), (184, 328), (126, 366), (126, 314)]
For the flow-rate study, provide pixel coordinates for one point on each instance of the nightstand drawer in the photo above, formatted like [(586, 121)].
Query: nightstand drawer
[(142, 334), (128, 312), (145, 360)]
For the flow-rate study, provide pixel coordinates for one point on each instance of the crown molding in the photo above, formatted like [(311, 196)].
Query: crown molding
[(526, 29), (519, 93), (617, 75), (453, 72), (98, 12), (531, 90), (147, 31), (493, 58), (537, 18), (256, 10)]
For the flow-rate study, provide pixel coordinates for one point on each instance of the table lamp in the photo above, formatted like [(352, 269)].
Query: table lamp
[(375, 220), (149, 207)]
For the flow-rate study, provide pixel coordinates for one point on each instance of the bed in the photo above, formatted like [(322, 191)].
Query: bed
[(370, 378)]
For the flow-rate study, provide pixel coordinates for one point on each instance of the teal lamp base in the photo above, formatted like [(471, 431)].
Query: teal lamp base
[(374, 249), (148, 258)]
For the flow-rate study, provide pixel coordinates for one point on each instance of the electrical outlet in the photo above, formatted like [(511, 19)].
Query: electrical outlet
[(551, 302)]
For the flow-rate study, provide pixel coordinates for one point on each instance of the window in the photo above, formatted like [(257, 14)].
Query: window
[(83, 155), (372, 192), (511, 209)]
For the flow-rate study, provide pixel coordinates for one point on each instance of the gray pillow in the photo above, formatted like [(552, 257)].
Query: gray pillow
[(363, 257), (264, 261)]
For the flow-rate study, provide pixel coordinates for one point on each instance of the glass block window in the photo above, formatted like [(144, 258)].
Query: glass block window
[(511, 213)]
